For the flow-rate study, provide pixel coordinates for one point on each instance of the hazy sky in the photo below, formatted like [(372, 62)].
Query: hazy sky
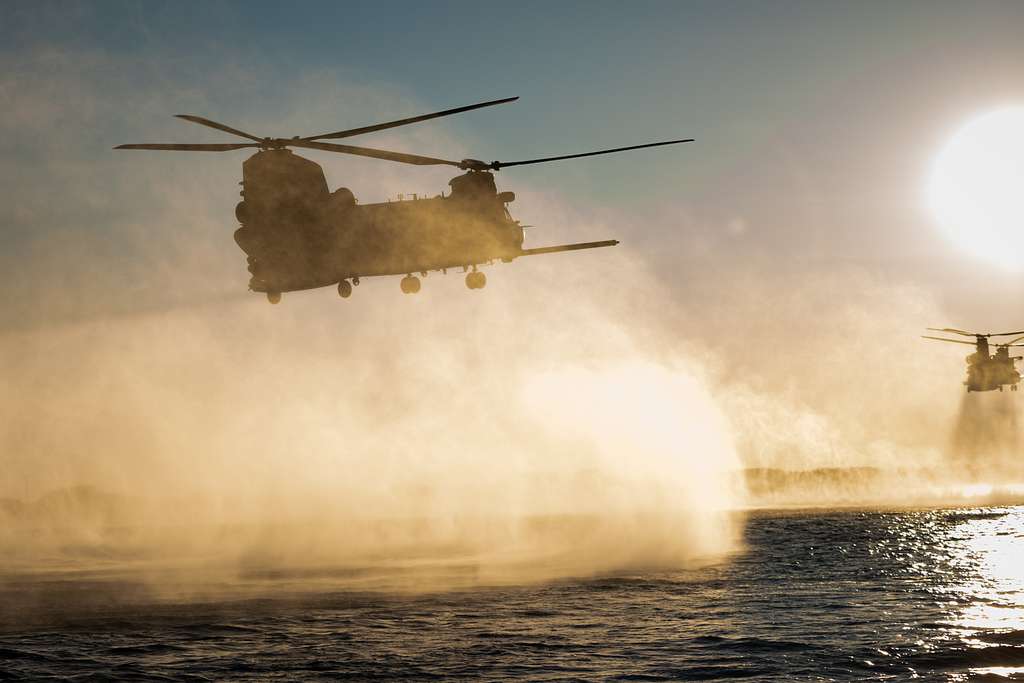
[(815, 122), (787, 252)]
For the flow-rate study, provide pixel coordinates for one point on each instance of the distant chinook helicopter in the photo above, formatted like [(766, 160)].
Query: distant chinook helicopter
[(987, 372), (298, 235)]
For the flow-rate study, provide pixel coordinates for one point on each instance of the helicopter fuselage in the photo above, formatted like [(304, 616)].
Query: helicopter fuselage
[(299, 235), (991, 373)]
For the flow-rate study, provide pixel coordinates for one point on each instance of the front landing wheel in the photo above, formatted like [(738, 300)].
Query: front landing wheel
[(410, 284), (344, 289), (274, 297), (476, 280)]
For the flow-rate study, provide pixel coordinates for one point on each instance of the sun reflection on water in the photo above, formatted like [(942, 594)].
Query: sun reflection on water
[(988, 557)]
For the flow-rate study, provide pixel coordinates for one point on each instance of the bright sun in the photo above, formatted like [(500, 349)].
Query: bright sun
[(977, 188)]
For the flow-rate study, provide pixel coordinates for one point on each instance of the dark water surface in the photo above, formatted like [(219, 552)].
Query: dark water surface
[(933, 595)]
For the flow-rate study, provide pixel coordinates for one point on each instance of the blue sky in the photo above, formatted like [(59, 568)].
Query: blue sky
[(822, 79)]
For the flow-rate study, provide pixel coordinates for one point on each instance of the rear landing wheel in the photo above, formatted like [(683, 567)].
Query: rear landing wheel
[(410, 284), (476, 280), (344, 289), (274, 297)]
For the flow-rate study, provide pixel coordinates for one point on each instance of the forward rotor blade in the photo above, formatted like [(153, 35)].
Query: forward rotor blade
[(952, 331), (402, 122), (192, 148), (973, 334), (374, 153), (951, 341), (497, 165), (219, 126), (1012, 342)]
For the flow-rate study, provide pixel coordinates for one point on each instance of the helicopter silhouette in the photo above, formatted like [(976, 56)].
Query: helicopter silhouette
[(985, 371), (298, 235)]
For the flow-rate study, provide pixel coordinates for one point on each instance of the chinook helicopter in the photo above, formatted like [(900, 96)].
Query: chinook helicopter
[(298, 235), (987, 372)]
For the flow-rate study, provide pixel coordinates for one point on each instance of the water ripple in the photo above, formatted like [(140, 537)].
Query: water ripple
[(937, 595)]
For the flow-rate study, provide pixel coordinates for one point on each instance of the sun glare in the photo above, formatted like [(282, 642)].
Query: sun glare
[(976, 189)]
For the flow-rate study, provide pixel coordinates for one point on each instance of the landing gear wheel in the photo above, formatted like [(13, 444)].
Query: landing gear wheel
[(355, 280), (344, 289), (274, 297), (410, 284), (476, 280)]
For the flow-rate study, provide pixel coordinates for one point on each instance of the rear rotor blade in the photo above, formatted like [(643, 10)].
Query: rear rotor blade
[(402, 122), (973, 334), (374, 153), (192, 148), (497, 165), (953, 331), (219, 126), (951, 341)]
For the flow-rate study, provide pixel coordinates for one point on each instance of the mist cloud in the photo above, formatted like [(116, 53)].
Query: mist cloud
[(584, 413)]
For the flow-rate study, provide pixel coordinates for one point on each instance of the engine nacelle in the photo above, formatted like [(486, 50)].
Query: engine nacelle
[(343, 197)]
